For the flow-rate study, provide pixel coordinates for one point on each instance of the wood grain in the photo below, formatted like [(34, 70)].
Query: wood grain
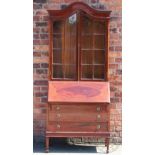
[(78, 94), (77, 127), (72, 91), (78, 117), (79, 108)]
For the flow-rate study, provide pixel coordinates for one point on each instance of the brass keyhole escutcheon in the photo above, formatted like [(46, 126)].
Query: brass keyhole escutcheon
[(58, 108), (98, 108), (58, 126)]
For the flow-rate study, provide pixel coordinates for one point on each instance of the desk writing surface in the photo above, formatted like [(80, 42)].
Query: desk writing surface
[(78, 91)]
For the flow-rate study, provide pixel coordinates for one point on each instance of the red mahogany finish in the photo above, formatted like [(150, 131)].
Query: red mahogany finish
[(92, 92), (78, 87), (72, 8)]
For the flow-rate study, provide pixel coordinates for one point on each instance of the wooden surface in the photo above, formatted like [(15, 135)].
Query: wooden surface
[(77, 127), (82, 47), (83, 117), (74, 7), (77, 134), (78, 91), (76, 113), (80, 108), (78, 99)]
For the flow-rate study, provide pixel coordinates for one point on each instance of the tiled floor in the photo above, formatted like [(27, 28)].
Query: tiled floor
[(60, 146)]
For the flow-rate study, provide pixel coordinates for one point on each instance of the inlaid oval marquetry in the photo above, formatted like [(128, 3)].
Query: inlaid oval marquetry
[(86, 92), (80, 90)]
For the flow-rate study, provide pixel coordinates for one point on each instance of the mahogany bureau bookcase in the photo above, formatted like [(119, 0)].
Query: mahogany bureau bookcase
[(78, 87)]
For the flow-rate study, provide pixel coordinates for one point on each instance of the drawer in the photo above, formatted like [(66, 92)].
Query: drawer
[(77, 127), (66, 108), (78, 116)]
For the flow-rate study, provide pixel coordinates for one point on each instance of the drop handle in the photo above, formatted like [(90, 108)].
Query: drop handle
[(98, 116), (58, 115), (98, 126)]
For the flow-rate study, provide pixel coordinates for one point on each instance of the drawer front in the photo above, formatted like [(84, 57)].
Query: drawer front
[(78, 117), (77, 127), (78, 113), (78, 108)]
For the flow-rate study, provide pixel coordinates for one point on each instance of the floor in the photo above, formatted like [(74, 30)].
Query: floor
[(61, 146)]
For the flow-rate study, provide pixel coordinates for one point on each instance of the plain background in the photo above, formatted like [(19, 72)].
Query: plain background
[(16, 77)]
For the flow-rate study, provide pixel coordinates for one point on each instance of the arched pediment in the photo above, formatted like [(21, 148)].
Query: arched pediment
[(76, 7)]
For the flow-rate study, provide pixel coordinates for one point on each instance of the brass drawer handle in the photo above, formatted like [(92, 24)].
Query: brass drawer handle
[(58, 108), (98, 108), (58, 126), (98, 126), (98, 116), (58, 115)]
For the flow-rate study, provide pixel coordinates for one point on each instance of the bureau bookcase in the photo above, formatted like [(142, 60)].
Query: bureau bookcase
[(78, 87)]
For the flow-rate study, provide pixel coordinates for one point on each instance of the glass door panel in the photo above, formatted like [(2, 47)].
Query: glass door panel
[(86, 42), (57, 71), (87, 25), (99, 27), (69, 51), (87, 72), (64, 49), (57, 56), (99, 57), (87, 57), (91, 60), (70, 71), (99, 42), (99, 72), (92, 48)]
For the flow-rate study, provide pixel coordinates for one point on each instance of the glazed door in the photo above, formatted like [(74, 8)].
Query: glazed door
[(79, 48), (64, 57), (92, 49)]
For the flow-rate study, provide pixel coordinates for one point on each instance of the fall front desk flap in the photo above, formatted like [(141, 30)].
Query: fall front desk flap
[(78, 91)]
